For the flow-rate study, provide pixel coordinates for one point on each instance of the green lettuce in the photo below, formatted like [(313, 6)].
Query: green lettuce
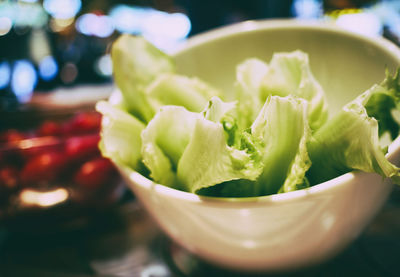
[(249, 75), (136, 63), (165, 139), (227, 114), (120, 135), (282, 126), (383, 101), (278, 143), (185, 150), (274, 137), (174, 89), (286, 74), (147, 80), (350, 140), (290, 74)]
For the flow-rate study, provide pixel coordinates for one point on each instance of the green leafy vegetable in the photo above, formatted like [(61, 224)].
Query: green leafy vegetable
[(286, 74), (185, 150), (350, 140), (249, 75), (173, 89), (136, 63), (146, 79), (120, 135), (227, 115), (383, 101), (164, 141), (283, 128), (290, 74), (209, 160), (274, 137)]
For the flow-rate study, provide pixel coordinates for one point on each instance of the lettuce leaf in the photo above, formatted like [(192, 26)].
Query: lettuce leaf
[(164, 140), (278, 143), (120, 135), (185, 150), (209, 160), (136, 63), (383, 102), (275, 137), (227, 114), (147, 80), (174, 89), (350, 141), (283, 127), (249, 75), (290, 74)]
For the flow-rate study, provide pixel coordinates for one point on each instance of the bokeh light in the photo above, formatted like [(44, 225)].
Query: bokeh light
[(48, 68), (307, 9), (365, 23), (23, 14), (59, 24), (43, 198), (389, 14), (23, 80), (69, 73), (103, 66), (5, 73), (91, 24), (129, 19), (164, 30), (5, 25), (62, 9), (175, 26)]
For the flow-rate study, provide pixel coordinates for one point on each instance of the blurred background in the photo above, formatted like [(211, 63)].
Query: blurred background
[(63, 209), (49, 44)]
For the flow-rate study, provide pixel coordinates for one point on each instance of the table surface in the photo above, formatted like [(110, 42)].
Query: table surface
[(124, 241)]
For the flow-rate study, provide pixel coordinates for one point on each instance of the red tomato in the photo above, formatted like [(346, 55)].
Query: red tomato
[(49, 128), (43, 168), (82, 147), (82, 123), (95, 173), (12, 135), (8, 177)]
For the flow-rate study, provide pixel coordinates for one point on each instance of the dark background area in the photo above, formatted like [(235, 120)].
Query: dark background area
[(46, 45), (40, 29)]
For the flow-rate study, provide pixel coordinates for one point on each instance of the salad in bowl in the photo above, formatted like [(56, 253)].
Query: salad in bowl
[(232, 145)]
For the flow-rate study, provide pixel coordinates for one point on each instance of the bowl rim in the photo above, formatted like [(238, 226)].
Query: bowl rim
[(304, 24), (251, 26)]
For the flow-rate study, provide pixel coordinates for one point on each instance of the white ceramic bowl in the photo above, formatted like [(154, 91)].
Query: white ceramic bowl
[(289, 230)]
